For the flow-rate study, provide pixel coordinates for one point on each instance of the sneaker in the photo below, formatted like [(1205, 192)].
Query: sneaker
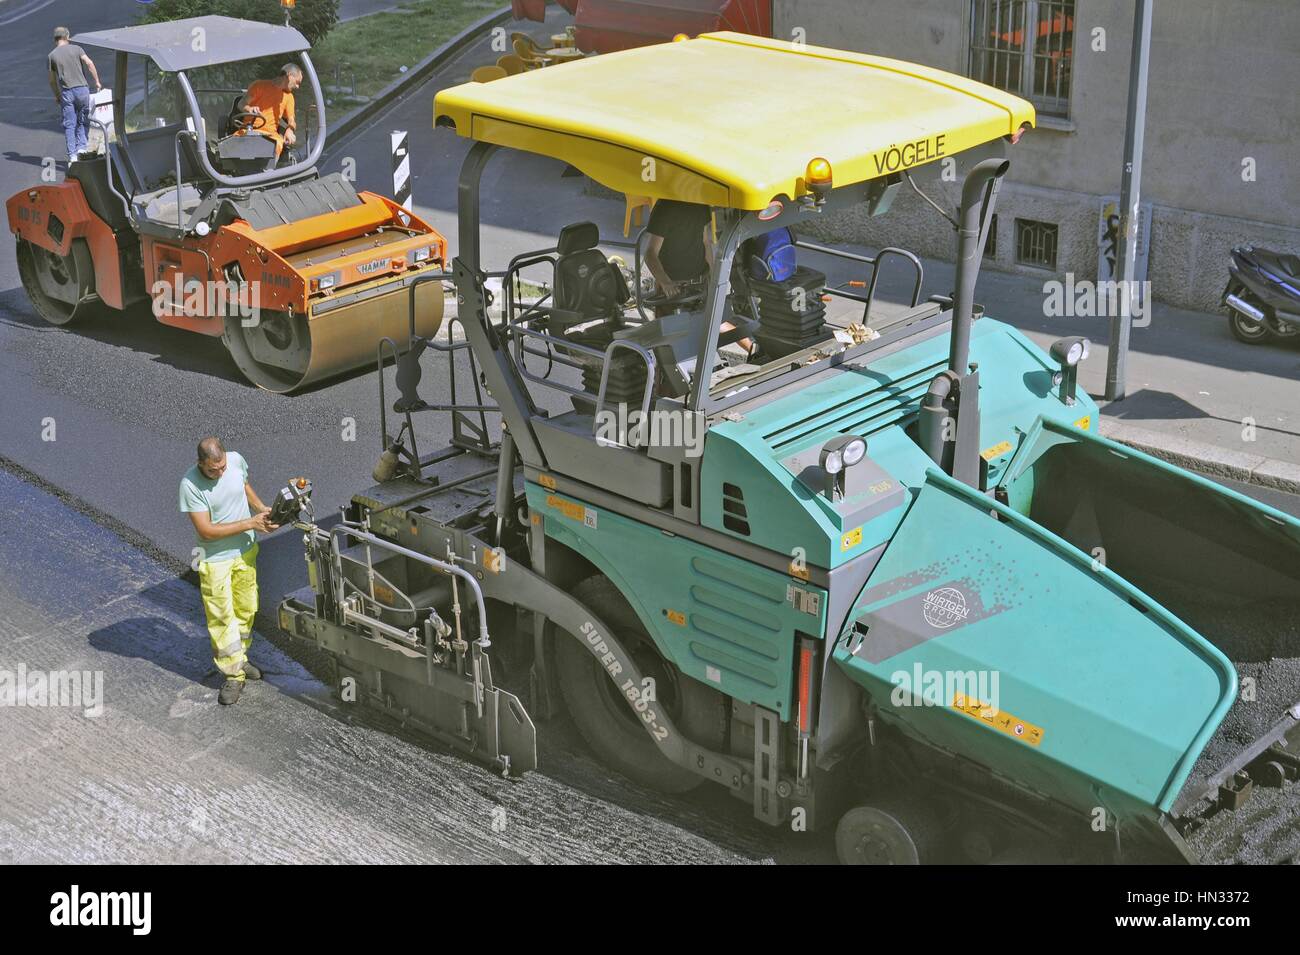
[(251, 672), (230, 691)]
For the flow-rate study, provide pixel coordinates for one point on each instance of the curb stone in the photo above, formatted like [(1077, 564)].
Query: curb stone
[(1207, 459)]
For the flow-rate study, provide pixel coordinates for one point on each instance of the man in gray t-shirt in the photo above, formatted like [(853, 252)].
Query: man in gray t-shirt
[(68, 82)]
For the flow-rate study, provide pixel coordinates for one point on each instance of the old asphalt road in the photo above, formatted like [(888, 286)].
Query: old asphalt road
[(109, 414)]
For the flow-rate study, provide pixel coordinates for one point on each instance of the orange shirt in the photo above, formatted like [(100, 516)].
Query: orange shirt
[(267, 98)]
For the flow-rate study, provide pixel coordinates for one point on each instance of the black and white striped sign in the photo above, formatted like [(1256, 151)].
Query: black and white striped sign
[(401, 170)]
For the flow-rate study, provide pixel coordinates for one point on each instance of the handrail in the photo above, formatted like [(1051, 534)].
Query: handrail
[(383, 402), (516, 327), (874, 262), (111, 164), (650, 366), (176, 144)]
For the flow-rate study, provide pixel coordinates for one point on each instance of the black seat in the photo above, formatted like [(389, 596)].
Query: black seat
[(92, 174), (1279, 261), (587, 285)]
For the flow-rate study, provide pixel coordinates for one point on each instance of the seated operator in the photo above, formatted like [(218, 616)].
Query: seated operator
[(274, 100), (679, 251)]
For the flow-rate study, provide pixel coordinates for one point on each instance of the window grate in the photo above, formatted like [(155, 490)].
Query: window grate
[(1036, 243), (991, 243), (1025, 47)]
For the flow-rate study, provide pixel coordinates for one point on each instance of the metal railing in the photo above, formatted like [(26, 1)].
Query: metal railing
[(445, 567), (874, 262), (522, 338)]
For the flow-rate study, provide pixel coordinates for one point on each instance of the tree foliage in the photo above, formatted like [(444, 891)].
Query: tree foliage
[(313, 18)]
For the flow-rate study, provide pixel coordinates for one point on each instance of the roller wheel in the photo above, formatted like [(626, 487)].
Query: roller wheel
[(1247, 329), (604, 717), (60, 287), (888, 833), (1272, 774), (272, 350)]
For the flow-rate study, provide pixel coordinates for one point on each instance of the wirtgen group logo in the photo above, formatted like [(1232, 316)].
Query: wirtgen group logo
[(74, 907), (944, 607)]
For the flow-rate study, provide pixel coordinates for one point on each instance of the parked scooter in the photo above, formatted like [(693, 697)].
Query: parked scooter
[(1263, 295)]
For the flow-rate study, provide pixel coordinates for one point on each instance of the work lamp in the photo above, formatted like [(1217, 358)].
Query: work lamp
[(837, 456), (1068, 352)]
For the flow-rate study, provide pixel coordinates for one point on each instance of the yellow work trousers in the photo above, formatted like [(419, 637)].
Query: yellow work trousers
[(229, 591)]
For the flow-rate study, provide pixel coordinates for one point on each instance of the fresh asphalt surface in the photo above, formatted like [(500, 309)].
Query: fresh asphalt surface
[(108, 414)]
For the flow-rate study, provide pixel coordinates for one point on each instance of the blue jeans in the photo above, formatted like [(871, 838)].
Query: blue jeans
[(75, 101)]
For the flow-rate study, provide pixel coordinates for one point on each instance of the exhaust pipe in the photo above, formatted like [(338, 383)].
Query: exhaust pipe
[(978, 196), (953, 396), (1241, 305)]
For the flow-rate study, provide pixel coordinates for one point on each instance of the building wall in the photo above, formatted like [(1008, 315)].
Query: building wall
[(1222, 82)]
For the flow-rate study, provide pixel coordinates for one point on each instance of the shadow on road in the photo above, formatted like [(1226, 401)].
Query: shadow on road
[(134, 328), (1151, 405), (12, 156)]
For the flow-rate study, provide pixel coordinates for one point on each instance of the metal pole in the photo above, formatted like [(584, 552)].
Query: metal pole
[(1130, 201)]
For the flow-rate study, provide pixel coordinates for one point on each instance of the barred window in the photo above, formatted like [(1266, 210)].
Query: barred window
[(1036, 243), (1025, 47)]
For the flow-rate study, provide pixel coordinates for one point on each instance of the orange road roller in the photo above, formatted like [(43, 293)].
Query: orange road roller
[(202, 207)]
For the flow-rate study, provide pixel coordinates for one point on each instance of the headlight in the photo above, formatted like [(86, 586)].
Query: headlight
[(323, 283), (1070, 351), (842, 452), (838, 455), (420, 255)]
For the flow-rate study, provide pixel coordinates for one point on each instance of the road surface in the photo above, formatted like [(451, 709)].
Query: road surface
[(109, 415)]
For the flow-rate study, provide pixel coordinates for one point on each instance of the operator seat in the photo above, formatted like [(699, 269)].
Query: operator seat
[(588, 286)]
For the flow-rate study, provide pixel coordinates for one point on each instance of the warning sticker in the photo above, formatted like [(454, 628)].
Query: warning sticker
[(1085, 422), (852, 539), (676, 616), (999, 449), (546, 481), (997, 719), (805, 601), (571, 509)]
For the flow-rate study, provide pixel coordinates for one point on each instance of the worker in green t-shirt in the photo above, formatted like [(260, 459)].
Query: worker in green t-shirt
[(227, 514)]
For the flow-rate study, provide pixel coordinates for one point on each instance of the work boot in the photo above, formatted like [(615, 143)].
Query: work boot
[(251, 672), (230, 691)]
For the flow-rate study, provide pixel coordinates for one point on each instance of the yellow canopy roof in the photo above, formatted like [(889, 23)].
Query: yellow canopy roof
[(729, 119)]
